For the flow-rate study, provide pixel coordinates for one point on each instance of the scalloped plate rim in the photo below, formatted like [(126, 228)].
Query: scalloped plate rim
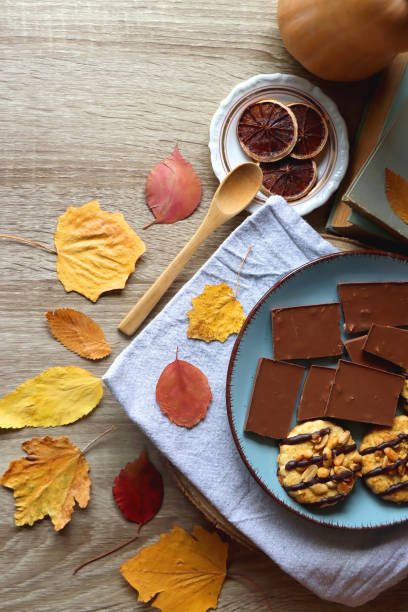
[(334, 179)]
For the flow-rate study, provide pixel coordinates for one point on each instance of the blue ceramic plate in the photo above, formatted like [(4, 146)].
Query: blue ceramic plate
[(313, 283)]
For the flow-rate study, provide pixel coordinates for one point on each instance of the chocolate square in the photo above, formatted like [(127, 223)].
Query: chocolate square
[(390, 343), (315, 393), (367, 303), (364, 394), (356, 353), (306, 332), (273, 398)]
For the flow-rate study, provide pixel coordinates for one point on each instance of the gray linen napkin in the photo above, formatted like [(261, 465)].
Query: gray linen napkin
[(346, 567)]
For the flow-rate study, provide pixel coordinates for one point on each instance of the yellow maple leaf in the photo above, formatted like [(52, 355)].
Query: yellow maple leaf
[(96, 250), (216, 314), (57, 396), (182, 569), (78, 332), (396, 188), (48, 481)]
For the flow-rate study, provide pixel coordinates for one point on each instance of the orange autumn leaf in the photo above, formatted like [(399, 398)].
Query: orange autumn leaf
[(49, 481), (78, 332), (180, 570), (183, 393), (216, 314), (96, 250), (396, 188)]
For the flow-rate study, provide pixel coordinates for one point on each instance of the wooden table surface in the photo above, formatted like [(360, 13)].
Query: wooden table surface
[(93, 93)]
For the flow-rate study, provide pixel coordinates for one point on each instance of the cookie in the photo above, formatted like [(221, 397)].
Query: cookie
[(384, 454), (318, 463)]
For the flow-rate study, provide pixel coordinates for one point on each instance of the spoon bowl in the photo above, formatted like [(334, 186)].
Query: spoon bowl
[(234, 193)]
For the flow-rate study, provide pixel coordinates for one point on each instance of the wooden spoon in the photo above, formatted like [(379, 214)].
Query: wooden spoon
[(234, 193)]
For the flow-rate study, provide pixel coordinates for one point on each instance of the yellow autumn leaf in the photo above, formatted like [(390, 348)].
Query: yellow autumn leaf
[(96, 250), (185, 571), (78, 332), (216, 314), (57, 396), (396, 188), (49, 481)]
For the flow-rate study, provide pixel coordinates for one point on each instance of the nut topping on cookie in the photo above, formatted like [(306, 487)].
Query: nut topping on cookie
[(384, 457), (320, 484)]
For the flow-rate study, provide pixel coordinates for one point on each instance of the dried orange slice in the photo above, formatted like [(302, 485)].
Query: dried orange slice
[(290, 178), (267, 130), (312, 130)]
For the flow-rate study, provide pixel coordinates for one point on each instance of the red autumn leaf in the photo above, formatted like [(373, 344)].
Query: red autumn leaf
[(173, 190), (138, 490), (183, 393)]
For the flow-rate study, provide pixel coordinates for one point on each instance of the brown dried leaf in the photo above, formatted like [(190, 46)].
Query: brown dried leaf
[(78, 332), (396, 188)]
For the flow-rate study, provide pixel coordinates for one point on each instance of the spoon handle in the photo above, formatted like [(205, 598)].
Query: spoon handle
[(145, 305)]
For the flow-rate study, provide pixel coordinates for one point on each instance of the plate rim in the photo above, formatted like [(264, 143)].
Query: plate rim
[(231, 362), (308, 87)]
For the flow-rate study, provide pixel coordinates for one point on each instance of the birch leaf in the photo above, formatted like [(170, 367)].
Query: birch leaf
[(185, 571), (96, 250), (216, 314), (396, 188), (49, 481), (78, 332), (57, 396)]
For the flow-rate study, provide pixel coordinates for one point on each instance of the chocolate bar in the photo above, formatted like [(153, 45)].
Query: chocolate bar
[(273, 398), (367, 303), (364, 394), (315, 393), (390, 343), (305, 332), (354, 349)]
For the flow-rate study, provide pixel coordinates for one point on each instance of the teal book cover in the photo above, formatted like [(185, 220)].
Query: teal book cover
[(367, 192), (369, 226)]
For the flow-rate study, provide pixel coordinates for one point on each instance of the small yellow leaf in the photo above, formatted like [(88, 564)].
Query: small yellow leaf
[(186, 571), (396, 188), (216, 314), (48, 481), (57, 396), (96, 250), (78, 332)]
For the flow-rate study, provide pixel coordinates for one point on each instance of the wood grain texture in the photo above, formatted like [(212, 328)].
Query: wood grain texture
[(92, 94)]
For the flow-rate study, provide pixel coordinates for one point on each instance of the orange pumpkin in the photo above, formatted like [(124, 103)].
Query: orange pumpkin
[(344, 40)]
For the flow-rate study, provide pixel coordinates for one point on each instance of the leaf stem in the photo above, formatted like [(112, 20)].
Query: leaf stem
[(111, 428), (240, 268), (26, 241), (108, 552), (254, 584)]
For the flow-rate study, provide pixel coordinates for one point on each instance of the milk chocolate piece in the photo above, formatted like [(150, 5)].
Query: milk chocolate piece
[(273, 398), (355, 351), (305, 332), (390, 343), (367, 303), (315, 393), (364, 394)]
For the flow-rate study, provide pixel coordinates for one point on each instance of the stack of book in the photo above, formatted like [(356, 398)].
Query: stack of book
[(361, 210)]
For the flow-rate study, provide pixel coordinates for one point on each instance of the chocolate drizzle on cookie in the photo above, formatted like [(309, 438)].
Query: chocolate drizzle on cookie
[(318, 459), (326, 501), (389, 443), (346, 474), (306, 436)]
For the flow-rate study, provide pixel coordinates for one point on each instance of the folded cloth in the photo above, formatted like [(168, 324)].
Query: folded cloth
[(350, 567)]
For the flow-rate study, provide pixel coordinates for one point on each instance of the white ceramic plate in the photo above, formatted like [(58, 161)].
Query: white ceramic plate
[(226, 152)]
